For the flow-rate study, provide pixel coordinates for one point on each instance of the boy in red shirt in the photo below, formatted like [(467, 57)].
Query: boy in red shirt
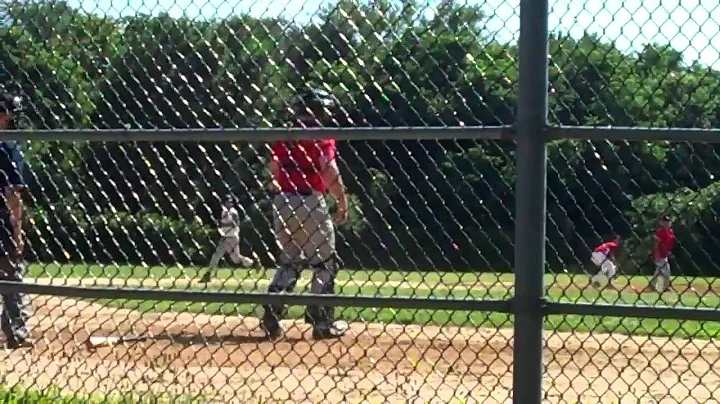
[(664, 242), (603, 257)]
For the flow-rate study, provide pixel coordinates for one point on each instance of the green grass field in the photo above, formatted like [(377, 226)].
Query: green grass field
[(55, 395), (688, 292)]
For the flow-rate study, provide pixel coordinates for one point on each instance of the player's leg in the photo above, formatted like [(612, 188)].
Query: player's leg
[(220, 250), (224, 246), (323, 260), (287, 232), (17, 309), (660, 280), (16, 306), (235, 256), (598, 259)]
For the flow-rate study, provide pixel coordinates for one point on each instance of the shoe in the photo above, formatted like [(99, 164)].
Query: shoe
[(661, 285), (334, 330), (598, 281), (26, 343), (273, 332), (205, 278)]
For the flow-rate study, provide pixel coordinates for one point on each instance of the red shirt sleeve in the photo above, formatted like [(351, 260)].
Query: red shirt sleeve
[(607, 248), (279, 151), (612, 246), (328, 148)]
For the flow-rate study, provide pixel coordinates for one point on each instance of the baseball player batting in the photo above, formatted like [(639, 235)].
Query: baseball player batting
[(229, 229), (16, 307), (303, 173)]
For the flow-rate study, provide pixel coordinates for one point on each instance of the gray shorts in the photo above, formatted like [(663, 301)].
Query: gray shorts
[(304, 229)]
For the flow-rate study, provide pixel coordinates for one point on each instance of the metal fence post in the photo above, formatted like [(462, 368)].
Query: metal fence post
[(530, 208)]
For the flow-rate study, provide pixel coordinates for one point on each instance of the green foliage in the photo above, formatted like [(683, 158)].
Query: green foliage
[(417, 205)]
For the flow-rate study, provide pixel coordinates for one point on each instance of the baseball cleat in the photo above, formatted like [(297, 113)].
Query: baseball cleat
[(598, 280), (205, 278), (661, 285), (273, 332), (335, 330), (26, 343)]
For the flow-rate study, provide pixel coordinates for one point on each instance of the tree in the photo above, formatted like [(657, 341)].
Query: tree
[(421, 204)]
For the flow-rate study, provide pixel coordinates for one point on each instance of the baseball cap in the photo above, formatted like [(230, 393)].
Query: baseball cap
[(10, 103)]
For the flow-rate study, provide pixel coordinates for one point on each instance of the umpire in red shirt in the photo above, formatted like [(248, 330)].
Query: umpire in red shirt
[(16, 308), (304, 171)]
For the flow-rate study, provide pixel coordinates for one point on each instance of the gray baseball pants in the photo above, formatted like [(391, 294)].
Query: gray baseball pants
[(661, 278), (231, 246), (305, 235)]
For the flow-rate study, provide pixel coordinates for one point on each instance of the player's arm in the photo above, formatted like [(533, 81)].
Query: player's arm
[(336, 188), (14, 191), (274, 167), (16, 207)]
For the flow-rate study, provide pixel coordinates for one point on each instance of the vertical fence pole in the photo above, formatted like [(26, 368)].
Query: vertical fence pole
[(530, 205)]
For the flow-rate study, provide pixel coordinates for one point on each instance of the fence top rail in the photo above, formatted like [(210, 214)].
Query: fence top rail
[(610, 133), (620, 133), (259, 134)]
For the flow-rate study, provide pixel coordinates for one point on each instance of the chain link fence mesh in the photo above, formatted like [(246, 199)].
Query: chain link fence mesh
[(428, 218)]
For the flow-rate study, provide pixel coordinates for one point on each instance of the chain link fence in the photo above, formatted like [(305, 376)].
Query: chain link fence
[(466, 260)]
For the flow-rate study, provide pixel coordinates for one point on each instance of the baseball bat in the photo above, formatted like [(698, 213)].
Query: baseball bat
[(97, 342)]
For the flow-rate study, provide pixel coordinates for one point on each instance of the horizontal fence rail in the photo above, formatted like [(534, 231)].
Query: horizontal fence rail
[(89, 292), (260, 134)]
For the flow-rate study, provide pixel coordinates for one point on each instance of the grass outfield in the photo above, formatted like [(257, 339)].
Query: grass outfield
[(56, 395), (689, 292)]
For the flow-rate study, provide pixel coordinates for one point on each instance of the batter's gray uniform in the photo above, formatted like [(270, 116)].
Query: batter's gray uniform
[(229, 230)]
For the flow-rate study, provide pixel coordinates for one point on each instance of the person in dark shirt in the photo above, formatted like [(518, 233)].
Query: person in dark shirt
[(16, 307)]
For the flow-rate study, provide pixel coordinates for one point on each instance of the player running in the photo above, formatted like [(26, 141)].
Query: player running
[(229, 229), (664, 242), (603, 257)]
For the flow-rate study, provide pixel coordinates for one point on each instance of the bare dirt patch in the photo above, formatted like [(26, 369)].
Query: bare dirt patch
[(226, 360)]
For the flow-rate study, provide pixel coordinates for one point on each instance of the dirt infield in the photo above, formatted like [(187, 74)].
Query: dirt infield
[(225, 359)]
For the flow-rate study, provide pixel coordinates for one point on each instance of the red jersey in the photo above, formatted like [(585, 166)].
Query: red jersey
[(664, 241), (302, 163), (607, 248)]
